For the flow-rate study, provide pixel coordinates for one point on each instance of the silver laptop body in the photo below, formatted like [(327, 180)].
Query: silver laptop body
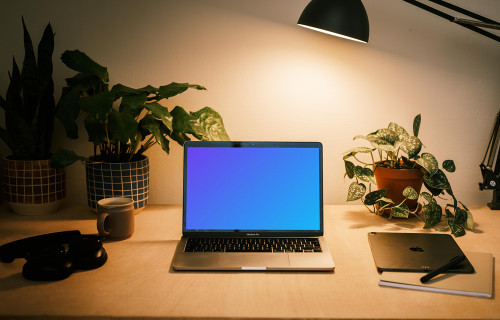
[(247, 194)]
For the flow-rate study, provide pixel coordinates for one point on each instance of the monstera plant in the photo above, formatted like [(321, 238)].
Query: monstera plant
[(122, 123), (393, 150)]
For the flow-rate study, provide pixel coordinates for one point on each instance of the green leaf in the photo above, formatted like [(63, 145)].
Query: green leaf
[(399, 130), (432, 213), (98, 105), (133, 104), (364, 174), (349, 168), (95, 130), (374, 196), (153, 126), (179, 137), (437, 181), (429, 163), (68, 110), (400, 211), (410, 193), (119, 90), (416, 125), (122, 126), (80, 62), (411, 145), (63, 158), (460, 216), (161, 113), (356, 191), (456, 229), (449, 165), (469, 225), (208, 124), (387, 135), (354, 151), (175, 88), (427, 196), (181, 121)]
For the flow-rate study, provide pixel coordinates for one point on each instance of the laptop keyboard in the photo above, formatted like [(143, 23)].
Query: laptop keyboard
[(252, 245)]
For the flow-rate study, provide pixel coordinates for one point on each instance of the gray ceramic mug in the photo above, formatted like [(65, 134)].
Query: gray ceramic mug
[(116, 218)]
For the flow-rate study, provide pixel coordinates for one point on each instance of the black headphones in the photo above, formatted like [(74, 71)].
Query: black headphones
[(55, 256)]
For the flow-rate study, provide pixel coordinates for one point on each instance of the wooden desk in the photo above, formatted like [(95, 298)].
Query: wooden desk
[(137, 280)]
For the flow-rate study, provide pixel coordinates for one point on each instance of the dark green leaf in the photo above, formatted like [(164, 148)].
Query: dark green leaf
[(179, 137), (416, 125), (122, 126), (95, 130), (154, 128), (387, 135), (181, 121), (400, 131), (175, 88), (372, 197), (133, 104), (80, 62), (354, 151), (98, 105), (364, 174), (427, 196), (349, 169), (460, 216), (68, 110), (63, 158), (437, 181), (161, 113), (119, 90), (356, 191), (456, 229), (432, 213), (449, 165)]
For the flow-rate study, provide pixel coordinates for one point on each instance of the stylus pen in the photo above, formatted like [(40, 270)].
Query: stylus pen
[(453, 262)]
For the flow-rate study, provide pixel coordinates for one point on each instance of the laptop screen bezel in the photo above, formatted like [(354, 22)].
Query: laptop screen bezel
[(251, 233)]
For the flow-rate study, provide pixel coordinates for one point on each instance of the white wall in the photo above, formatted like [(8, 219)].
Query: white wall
[(272, 80)]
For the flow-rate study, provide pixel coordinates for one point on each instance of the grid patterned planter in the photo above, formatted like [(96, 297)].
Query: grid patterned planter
[(127, 179), (33, 187)]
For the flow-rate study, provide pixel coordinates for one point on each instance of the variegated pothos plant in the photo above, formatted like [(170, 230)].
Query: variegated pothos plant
[(394, 147)]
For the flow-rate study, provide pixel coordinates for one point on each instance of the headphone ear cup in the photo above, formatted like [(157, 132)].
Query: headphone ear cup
[(87, 252), (47, 263)]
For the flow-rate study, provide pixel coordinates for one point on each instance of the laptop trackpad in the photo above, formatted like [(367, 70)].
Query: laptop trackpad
[(246, 259)]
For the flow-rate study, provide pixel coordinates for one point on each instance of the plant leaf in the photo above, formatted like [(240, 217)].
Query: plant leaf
[(432, 213), (429, 163), (399, 130), (416, 125), (80, 62), (427, 196), (374, 196), (400, 211), (349, 168), (437, 181), (410, 193), (175, 88), (161, 113), (98, 105), (354, 151), (133, 104), (68, 110), (411, 145), (456, 229), (122, 127), (208, 124), (63, 158), (364, 174), (356, 191), (449, 165)]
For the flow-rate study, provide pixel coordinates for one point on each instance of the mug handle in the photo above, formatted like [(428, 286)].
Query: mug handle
[(100, 224)]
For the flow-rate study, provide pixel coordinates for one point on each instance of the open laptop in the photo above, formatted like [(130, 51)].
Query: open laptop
[(253, 206), (415, 252)]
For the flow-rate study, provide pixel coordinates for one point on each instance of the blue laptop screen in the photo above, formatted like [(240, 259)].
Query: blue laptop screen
[(252, 188)]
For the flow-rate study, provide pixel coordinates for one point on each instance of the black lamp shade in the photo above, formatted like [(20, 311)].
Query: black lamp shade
[(343, 18)]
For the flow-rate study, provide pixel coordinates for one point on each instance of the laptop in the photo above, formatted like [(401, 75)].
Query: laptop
[(415, 252), (252, 206)]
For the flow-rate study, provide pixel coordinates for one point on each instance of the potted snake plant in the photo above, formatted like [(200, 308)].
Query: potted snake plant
[(31, 185), (395, 163), (123, 123)]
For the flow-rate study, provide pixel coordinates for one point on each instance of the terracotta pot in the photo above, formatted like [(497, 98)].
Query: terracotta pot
[(33, 187), (396, 180)]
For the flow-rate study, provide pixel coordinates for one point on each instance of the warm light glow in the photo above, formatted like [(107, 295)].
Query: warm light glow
[(331, 33)]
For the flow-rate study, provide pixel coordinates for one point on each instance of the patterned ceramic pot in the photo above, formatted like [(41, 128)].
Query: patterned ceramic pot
[(125, 179), (33, 187)]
